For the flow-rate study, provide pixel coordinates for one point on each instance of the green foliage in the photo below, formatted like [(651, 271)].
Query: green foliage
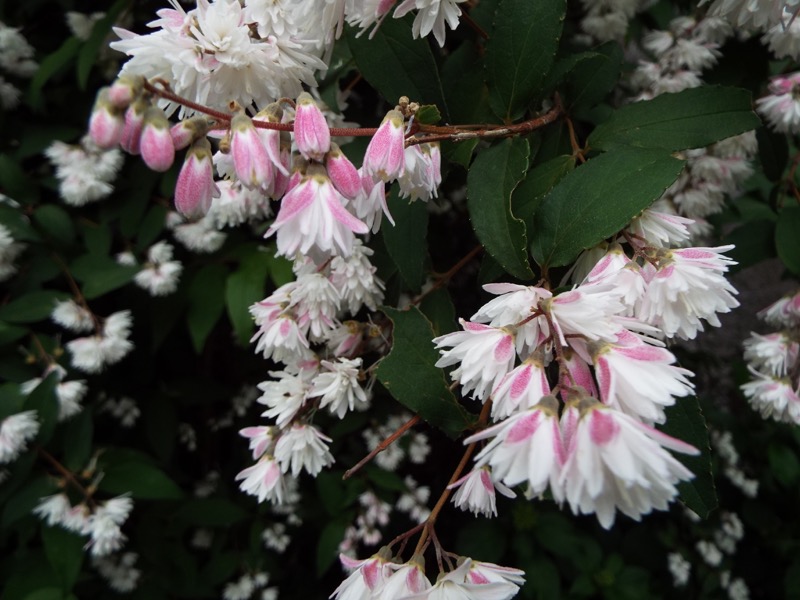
[(425, 392), (577, 213), (492, 178), (406, 241)]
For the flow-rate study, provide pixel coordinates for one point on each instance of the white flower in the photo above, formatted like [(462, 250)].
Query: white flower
[(485, 355), (366, 580), (264, 480), (303, 447), (660, 229), (315, 301), (160, 274), (615, 462), (785, 312), (9, 251), (476, 492), (52, 509), (279, 336), (406, 580), (773, 353), (354, 277), (688, 286), (773, 397), (15, 433), (784, 38), (338, 387), (104, 526), (639, 379), (521, 389), (284, 396), (782, 108), (119, 571), (680, 568), (709, 552), (70, 315), (431, 16), (753, 14), (456, 585), (84, 171), (527, 448)]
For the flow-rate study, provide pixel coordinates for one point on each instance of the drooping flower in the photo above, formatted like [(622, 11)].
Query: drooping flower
[(338, 388), (15, 432), (476, 492), (432, 16), (303, 447), (264, 480)]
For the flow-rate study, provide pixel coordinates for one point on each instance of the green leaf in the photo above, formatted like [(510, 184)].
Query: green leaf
[(154, 222), (31, 307), (685, 421), (406, 240), (587, 78), (243, 288), (43, 400), (206, 303), (598, 199), (396, 64), (87, 57), (211, 512), (139, 479), (56, 222), (64, 551), (49, 67), (460, 152), (100, 274), (78, 435), (787, 240), (519, 53), (11, 333), (26, 499), (46, 593), (537, 183), (692, 118), (16, 184), (328, 544), (409, 374), (492, 177), (773, 149), (438, 307), (783, 465), (428, 114)]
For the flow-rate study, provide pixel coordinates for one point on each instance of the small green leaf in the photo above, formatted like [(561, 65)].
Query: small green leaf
[(11, 333), (406, 240), (100, 274), (589, 77), (520, 52), (536, 185), (78, 435), (460, 152), (43, 400), (50, 66), (328, 544), (598, 199), (685, 422), (396, 64), (153, 224), (692, 118), (438, 307), (31, 307), (87, 57), (243, 288), (409, 374), (16, 184), (64, 551), (787, 240), (140, 480), (206, 303), (56, 222), (428, 114), (492, 177)]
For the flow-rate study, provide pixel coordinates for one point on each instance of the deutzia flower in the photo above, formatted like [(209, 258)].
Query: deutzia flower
[(456, 585), (338, 388), (782, 107), (104, 525), (15, 433), (200, 236), (303, 447), (484, 354), (773, 397), (264, 480), (9, 251), (160, 274), (367, 578), (93, 353), (688, 286), (52, 509), (615, 462), (119, 571), (406, 580), (476, 492), (773, 353), (432, 16), (354, 277), (70, 315), (285, 395)]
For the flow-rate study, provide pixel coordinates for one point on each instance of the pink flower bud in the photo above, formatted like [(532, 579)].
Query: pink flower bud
[(282, 179), (134, 120), (272, 137), (343, 173), (385, 155), (250, 159), (311, 133), (124, 90), (158, 151), (195, 186), (106, 122), (187, 131)]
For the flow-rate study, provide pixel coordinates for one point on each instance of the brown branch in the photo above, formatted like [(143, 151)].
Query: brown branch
[(382, 446), (442, 279)]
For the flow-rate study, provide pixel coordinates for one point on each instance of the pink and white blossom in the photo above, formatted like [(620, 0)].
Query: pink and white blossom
[(338, 388), (16, 431), (774, 397), (264, 480), (311, 132), (303, 447), (384, 158), (155, 144), (476, 492)]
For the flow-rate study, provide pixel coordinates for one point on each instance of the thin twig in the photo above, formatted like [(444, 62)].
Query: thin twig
[(382, 446)]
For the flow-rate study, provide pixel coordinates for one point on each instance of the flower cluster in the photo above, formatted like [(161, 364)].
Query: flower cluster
[(108, 343), (381, 577), (589, 437), (69, 393), (84, 171), (16, 60), (773, 362), (101, 522), (160, 274)]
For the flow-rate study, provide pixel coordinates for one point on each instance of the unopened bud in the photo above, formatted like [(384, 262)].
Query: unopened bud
[(195, 187), (250, 159), (134, 121), (123, 91), (187, 131), (385, 155), (158, 151), (343, 173), (311, 132), (106, 122)]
